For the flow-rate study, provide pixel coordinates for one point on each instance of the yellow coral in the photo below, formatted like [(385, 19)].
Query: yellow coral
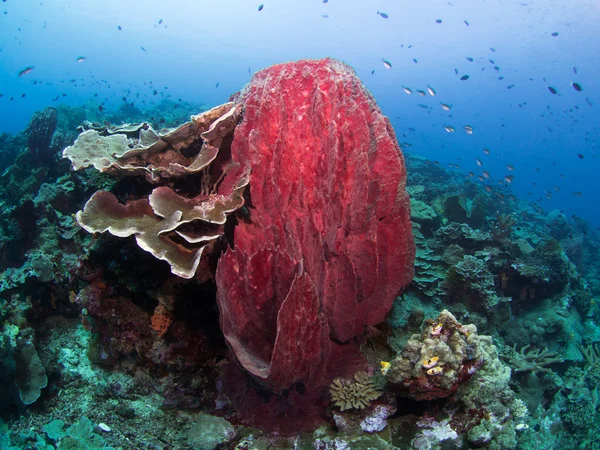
[(354, 394)]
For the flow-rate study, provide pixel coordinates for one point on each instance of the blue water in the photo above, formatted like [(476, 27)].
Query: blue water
[(202, 43)]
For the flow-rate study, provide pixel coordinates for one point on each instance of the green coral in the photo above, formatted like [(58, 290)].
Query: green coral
[(354, 394), (421, 211), (79, 436), (531, 360)]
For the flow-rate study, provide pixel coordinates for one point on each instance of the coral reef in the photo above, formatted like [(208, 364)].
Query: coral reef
[(434, 363), (290, 330), (354, 394), (160, 221), (528, 360)]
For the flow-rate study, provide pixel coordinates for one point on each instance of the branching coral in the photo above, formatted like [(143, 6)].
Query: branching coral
[(534, 361), (502, 227), (591, 353), (355, 394)]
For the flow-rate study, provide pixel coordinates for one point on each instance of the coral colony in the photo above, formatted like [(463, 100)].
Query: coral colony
[(268, 274)]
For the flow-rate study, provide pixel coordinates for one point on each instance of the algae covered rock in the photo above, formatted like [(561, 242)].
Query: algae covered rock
[(209, 432), (434, 363), (421, 211), (30, 377)]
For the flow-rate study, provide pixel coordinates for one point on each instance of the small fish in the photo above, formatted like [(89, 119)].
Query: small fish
[(509, 178), (435, 371), (552, 90), (509, 167), (437, 330), (260, 7), (554, 34), (521, 427), (438, 21), (466, 23), (100, 108), (501, 77), (415, 60), (385, 367), (469, 59), (493, 49), (119, 28), (577, 86), (431, 91), (468, 129), (372, 71), (386, 64), (217, 85), (26, 71), (577, 194), (486, 151), (510, 86), (471, 174), (449, 129), (431, 362), (325, 1), (446, 107), (464, 78), (143, 49), (81, 59), (421, 105), (382, 14), (575, 70), (407, 90), (160, 21), (580, 155), (479, 163), (485, 174), (456, 71), (421, 93)]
